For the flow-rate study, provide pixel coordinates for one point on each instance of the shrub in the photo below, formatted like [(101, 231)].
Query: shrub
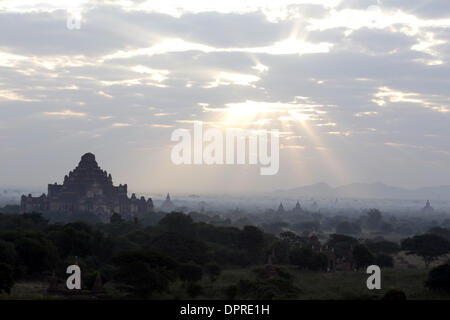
[(305, 258), (439, 278), (394, 294), (384, 260), (6, 278), (190, 272), (213, 270), (269, 289), (194, 289), (362, 256)]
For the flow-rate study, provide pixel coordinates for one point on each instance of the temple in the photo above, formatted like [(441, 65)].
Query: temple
[(88, 189), (428, 209), (297, 208), (167, 205), (280, 209)]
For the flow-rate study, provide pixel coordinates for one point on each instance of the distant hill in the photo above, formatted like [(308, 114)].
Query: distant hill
[(364, 191)]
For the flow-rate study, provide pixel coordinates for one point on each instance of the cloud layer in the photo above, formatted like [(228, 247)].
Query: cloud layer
[(359, 89)]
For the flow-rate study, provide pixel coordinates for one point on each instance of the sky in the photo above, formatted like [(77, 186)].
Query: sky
[(359, 90)]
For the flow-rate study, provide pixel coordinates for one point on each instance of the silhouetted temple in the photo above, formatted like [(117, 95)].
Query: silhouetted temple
[(88, 189), (297, 208), (167, 205), (428, 209), (280, 209)]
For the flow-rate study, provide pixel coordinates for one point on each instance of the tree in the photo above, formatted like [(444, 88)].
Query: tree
[(394, 295), (116, 218), (8, 253), (386, 227), (275, 227), (384, 246), (292, 239), (74, 239), (189, 272), (308, 226), (347, 227), (384, 261), (36, 253), (427, 246), (141, 280), (442, 232), (281, 250), (373, 219), (213, 270), (26, 221), (268, 289), (143, 273), (178, 222), (362, 256), (341, 244), (439, 278), (251, 239), (305, 258), (6, 278), (194, 289), (180, 248)]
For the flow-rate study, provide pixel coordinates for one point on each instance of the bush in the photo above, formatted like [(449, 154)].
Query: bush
[(428, 246), (194, 289), (144, 272), (8, 253), (181, 248), (231, 291), (251, 239), (190, 272), (179, 223), (263, 273), (382, 246), (394, 294), (362, 256), (266, 289), (213, 271), (439, 278), (6, 278), (384, 260), (305, 258), (36, 254), (341, 244)]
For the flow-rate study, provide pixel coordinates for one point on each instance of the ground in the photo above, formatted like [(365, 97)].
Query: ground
[(312, 285)]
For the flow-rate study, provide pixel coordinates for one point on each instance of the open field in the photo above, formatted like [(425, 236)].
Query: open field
[(340, 285)]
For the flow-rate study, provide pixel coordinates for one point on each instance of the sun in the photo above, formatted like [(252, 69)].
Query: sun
[(251, 113), (247, 112)]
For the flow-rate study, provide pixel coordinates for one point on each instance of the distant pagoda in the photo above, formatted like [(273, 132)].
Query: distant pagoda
[(167, 205), (280, 209), (88, 189), (428, 209), (297, 208)]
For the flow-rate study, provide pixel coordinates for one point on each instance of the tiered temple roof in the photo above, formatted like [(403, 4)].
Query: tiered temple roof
[(89, 189)]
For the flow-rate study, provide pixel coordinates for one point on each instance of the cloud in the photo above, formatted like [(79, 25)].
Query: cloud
[(344, 78), (14, 96), (65, 113), (298, 147), (366, 114), (160, 125), (387, 95)]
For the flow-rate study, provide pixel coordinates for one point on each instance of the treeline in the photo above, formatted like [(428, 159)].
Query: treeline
[(145, 260), (124, 251)]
